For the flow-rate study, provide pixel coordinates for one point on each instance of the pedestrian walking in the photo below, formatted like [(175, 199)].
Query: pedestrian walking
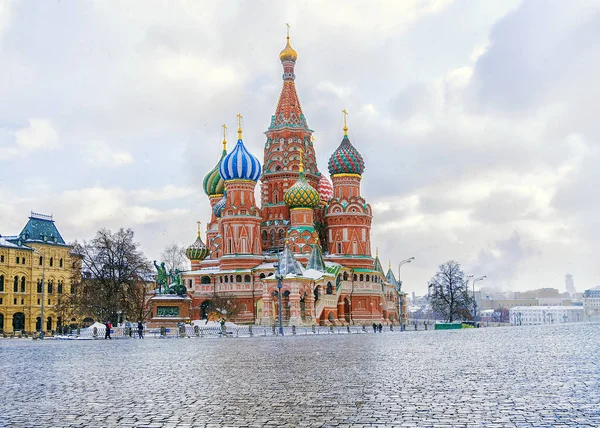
[(380, 328), (140, 329), (107, 326), (374, 328)]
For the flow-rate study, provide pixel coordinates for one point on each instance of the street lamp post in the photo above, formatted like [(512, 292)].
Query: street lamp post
[(481, 278), (279, 278), (43, 285), (400, 289)]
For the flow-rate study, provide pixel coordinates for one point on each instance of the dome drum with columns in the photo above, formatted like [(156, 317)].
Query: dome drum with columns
[(317, 229)]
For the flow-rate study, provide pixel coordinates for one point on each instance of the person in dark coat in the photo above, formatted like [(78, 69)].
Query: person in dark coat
[(374, 328), (380, 328), (140, 329), (108, 326)]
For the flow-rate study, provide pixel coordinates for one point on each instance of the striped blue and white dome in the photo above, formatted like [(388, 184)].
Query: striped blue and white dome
[(240, 164), (218, 208)]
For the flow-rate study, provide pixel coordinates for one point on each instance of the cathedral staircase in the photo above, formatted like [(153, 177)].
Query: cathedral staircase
[(327, 301)]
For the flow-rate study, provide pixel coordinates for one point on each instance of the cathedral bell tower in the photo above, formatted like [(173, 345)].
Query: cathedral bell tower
[(287, 135), (240, 218), (348, 214)]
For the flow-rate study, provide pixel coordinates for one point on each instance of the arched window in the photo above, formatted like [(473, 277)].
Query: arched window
[(39, 285), (345, 276), (281, 234), (355, 277), (362, 278), (41, 260), (60, 263), (226, 278), (1, 282), (51, 261), (272, 237), (22, 284), (60, 287), (275, 197), (368, 278), (238, 278), (231, 278), (206, 280), (329, 288), (49, 324), (16, 284), (1, 322), (264, 235), (50, 284), (262, 275), (247, 278)]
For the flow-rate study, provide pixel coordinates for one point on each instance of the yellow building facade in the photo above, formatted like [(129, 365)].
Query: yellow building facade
[(37, 254)]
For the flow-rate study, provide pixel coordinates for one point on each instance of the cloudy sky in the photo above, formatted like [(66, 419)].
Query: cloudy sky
[(477, 120)]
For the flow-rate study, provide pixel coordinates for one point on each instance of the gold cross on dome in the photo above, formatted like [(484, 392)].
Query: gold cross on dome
[(345, 124), (199, 227), (239, 117), (288, 29), (224, 137)]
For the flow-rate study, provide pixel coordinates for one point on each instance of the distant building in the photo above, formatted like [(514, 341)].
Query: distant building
[(38, 250), (569, 284), (506, 303), (591, 304), (537, 315)]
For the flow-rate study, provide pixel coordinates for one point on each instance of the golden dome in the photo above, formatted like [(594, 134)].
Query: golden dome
[(288, 53)]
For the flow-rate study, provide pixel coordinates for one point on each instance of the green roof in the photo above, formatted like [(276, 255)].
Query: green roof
[(41, 228)]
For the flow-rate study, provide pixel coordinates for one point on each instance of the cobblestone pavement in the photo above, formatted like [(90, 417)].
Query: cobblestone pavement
[(526, 377)]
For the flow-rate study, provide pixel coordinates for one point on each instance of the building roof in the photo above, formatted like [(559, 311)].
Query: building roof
[(40, 228), (545, 308), (7, 244)]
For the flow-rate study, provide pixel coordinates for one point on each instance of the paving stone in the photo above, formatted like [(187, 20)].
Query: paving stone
[(503, 377)]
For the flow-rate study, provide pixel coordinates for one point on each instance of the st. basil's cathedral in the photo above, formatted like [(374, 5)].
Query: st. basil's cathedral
[(312, 231)]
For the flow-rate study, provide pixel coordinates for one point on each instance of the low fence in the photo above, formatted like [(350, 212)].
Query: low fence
[(188, 331)]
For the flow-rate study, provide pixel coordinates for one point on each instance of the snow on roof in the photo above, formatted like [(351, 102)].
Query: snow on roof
[(5, 243)]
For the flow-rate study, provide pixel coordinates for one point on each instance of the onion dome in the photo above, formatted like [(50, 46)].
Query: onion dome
[(198, 251), (213, 184), (218, 208), (288, 53), (346, 159), (301, 194), (325, 189), (240, 164)]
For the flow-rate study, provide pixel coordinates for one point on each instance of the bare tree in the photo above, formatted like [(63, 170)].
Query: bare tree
[(114, 273), (449, 292), (174, 257), (224, 306)]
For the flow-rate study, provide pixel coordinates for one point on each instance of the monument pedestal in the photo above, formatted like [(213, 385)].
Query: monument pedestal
[(169, 310)]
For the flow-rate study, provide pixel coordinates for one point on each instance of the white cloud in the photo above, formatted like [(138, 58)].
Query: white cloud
[(100, 154), (39, 136), (164, 193)]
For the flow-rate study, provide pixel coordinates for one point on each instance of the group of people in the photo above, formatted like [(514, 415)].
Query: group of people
[(140, 328), (377, 328)]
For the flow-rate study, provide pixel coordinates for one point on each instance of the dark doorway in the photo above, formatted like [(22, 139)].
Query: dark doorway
[(19, 321), (205, 309)]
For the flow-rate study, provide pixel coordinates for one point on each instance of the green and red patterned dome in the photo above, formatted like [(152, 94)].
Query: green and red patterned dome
[(213, 183), (198, 251), (302, 194), (346, 159)]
